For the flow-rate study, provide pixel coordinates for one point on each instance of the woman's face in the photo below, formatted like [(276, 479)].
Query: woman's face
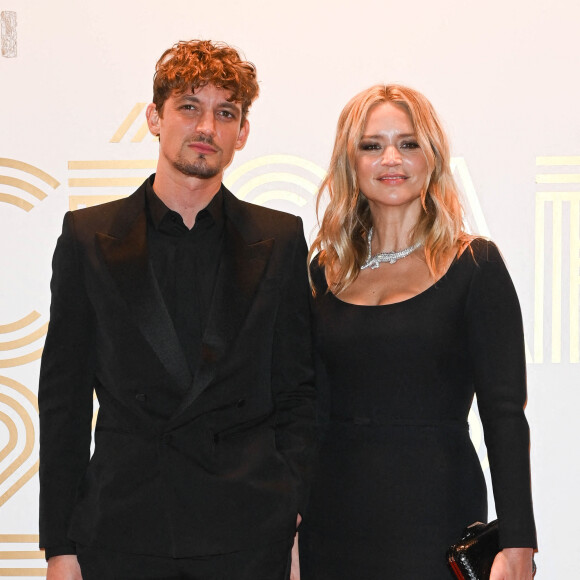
[(390, 165)]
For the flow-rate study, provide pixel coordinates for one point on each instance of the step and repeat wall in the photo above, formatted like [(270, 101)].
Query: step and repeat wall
[(75, 78)]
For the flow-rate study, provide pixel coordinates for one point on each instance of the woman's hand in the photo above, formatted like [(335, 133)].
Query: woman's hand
[(295, 567), (513, 564)]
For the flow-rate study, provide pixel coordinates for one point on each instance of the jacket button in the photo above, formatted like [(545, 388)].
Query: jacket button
[(141, 397), (240, 403)]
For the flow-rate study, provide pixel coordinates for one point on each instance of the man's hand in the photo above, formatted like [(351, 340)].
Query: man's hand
[(512, 564), (63, 568)]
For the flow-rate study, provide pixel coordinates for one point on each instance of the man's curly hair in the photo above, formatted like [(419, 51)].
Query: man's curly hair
[(189, 65)]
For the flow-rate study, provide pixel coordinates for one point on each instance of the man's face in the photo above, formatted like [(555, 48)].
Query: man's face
[(198, 132)]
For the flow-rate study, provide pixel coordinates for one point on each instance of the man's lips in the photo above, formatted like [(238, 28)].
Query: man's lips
[(203, 148)]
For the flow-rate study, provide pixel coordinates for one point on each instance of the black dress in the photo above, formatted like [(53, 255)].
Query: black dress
[(398, 478)]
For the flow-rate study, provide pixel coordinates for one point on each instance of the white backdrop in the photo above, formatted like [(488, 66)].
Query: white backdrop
[(503, 74)]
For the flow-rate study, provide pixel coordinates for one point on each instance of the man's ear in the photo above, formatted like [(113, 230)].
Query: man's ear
[(153, 118), (243, 135)]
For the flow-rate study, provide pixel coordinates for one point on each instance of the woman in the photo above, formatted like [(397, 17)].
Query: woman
[(412, 317)]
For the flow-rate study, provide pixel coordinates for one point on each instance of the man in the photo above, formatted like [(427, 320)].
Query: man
[(187, 311)]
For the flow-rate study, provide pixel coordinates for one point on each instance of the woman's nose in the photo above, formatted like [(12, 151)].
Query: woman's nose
[(391, 156)]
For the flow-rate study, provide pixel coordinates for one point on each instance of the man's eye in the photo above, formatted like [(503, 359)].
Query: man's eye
[(188, 107), (227, 114)]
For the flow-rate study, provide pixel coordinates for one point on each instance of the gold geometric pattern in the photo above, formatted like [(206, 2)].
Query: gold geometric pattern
[(273, 178), (23, 185), (23, 428), (128, 122), (477, 223), (557, 238), (18, 549), (91, 177), (33, 336), (82, 201)]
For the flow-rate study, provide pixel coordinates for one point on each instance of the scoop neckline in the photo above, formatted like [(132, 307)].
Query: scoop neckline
[(406, 300)]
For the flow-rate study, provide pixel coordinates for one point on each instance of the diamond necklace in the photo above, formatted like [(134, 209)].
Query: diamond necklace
[(390, 257)]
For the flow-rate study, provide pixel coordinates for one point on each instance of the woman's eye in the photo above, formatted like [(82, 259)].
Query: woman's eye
[(410, 145), (369, 146)]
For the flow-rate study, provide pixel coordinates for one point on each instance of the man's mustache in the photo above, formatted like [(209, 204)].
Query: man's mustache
[(207, 139)]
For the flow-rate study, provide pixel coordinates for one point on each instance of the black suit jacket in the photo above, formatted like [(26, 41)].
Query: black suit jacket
[(223, 471)]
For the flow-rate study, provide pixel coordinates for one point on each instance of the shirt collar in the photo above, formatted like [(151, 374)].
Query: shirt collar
[(157, 211)]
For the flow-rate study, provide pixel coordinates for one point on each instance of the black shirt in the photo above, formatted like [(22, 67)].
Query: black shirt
[(185, 263)]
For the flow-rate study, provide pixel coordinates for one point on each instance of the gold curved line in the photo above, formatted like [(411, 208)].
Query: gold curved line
[(28, 475), (274, 160), (13, 200), (26, 452), (22, 571), (24, 185), (22, 555), (18, 324), (19, 538), (12, 436), (24, 417), (15, 164), (273, 177), (129, 120), (114, 164), (25, 340), (20, 360), (279, 195), (21, 389)]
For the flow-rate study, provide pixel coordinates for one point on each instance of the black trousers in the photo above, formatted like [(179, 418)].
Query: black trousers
[(271, 562)]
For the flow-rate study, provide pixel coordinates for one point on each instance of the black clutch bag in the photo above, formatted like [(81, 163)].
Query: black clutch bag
[(472, 556)]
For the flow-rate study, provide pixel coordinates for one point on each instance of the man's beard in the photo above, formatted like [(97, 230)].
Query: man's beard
[(198, 168)]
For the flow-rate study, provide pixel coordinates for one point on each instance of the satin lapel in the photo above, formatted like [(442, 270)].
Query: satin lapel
[(241, 269), (125, 252)]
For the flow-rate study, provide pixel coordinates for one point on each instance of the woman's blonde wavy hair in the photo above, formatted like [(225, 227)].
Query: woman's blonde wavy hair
[(342, 238)]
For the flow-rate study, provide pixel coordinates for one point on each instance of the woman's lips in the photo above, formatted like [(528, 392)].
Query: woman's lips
[(392, 178)]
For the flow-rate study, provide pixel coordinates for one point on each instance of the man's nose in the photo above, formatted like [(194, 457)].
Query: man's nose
[(206, 124)]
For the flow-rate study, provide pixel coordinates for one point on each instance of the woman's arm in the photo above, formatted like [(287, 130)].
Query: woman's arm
[(513, 564), (497, 352)]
